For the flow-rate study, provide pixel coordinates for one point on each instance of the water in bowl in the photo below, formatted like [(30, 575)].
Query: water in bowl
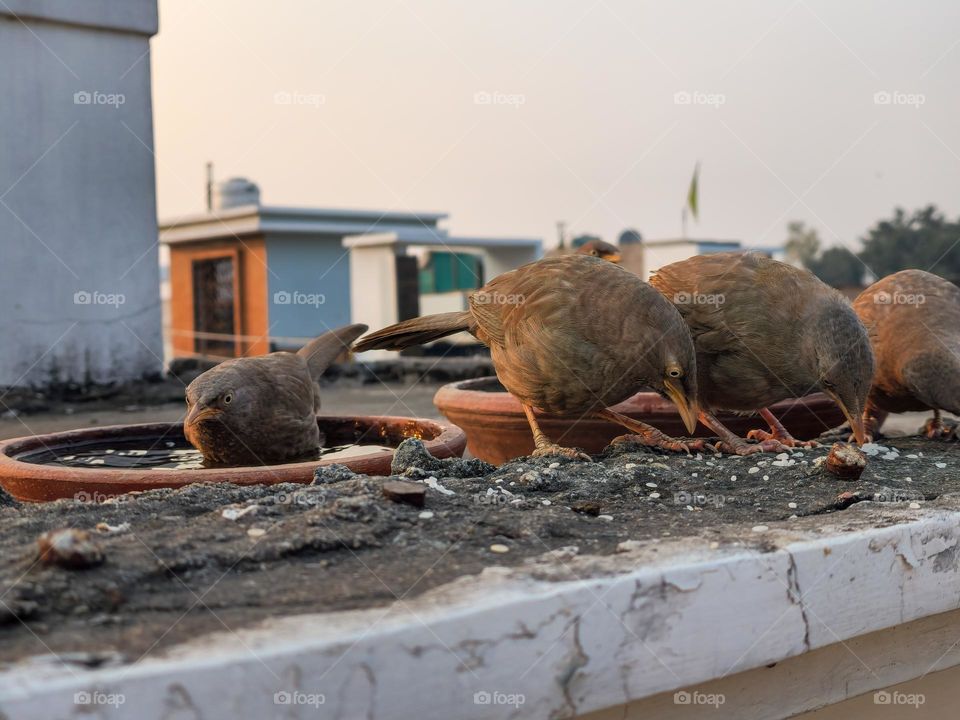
[(158, 455)]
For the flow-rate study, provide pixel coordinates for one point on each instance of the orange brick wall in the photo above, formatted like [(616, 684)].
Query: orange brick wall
[(250, 277)]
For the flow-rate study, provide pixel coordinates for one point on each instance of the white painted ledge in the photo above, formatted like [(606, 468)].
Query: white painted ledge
[(569, 634)]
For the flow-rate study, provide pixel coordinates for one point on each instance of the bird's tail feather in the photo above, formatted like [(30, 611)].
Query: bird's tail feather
[(416, 331), (322, 351)]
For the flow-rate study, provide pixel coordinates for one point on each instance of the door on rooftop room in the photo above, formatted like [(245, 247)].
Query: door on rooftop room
[(408, 288), (214, 306)]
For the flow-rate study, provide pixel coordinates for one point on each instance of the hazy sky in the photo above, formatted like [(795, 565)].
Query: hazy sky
[(583, 123)]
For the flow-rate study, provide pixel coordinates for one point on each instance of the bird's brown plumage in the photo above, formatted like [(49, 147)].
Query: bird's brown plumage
[(569, 335), (765, 331), (262, 410), (913, 319)]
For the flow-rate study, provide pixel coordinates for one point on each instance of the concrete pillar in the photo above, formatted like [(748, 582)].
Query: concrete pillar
[(79, 283), (373, 282)]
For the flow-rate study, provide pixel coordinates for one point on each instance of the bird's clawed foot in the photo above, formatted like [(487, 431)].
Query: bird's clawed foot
[(778, 433), (936, 429), (658, 440), (550, 449), (786, 440), (739, 446)]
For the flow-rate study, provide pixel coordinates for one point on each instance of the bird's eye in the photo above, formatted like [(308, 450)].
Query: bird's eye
[(673, 372), (228, 398)]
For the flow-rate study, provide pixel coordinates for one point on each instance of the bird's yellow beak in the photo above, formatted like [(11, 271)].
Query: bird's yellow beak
[(854, 417), (687, 410), (613, 257), (199, 412)]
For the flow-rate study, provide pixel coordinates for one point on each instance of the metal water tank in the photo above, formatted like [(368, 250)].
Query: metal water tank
[(236, 192)]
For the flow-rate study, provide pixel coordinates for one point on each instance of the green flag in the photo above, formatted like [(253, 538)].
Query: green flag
[(693, 198)]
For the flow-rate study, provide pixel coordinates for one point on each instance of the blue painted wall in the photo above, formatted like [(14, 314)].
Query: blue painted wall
[(715, 248), (302, 271)]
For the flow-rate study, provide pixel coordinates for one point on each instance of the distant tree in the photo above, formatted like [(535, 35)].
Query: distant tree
[(836, 265), (839, 267), (803, 245), (924, 239)]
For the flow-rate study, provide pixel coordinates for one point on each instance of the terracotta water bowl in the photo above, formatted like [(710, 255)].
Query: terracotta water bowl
[(497, 429), (27, 473)]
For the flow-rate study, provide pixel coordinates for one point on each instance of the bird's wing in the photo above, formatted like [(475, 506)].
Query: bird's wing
[(745, 312), (284, 381), (519, 297), (911, 316), (322, 351), (736, 298), (573, 331)]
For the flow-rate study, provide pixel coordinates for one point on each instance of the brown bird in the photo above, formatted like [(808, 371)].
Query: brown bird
[(600, 249), (913, 318), (262, 410), (571, 335), (765, 331)]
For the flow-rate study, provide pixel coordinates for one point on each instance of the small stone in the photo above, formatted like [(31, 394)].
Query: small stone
[(654, 495), (760, 528), (586, 507), (425, 515), (783, 456), (695, 475), (753, 470), (792, 505), (766, 477), (714, 545), (544, 502), (628, 466), (846, 499), (941, 465), (605, 517), (651, 484), (434, 484), (555, 465), (499, 548), (914, 506), (331, 474), (234, 513), (256, 532), (412, 453), (408, 493), (108, 529), (733, 478), (845, 461), (69, 548), (7, 500)]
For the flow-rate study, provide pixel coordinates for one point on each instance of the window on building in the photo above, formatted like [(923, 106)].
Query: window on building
[(451, 271)]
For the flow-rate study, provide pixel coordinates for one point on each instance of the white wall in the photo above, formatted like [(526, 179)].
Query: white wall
[(77, 201), (656, 256)]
